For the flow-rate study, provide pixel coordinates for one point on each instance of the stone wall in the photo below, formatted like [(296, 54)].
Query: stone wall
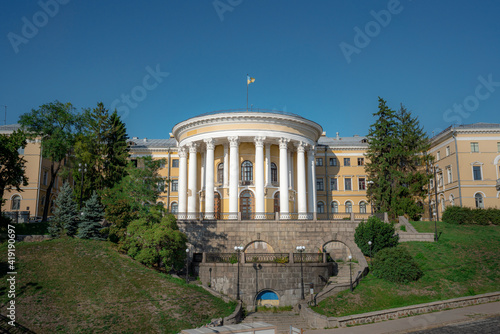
[(283, 279)]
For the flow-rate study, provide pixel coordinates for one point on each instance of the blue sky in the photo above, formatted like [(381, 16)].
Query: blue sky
[(325, 60)]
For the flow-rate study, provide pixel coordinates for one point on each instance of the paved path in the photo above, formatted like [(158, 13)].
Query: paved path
[(427, 321)]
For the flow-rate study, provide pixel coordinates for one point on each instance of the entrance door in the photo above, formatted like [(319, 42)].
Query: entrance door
[(246, 204), (217, 205)]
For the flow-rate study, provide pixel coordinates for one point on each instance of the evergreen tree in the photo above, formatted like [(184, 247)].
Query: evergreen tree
[(93, 213), (66, 213), (116, 162)]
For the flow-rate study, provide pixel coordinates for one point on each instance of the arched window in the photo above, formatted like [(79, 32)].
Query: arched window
[(362, 207), (321, 207), (452, 200), (246, 173), (16, 202), (174, 208), (335, 207), (479, 201), (274, 173), (443, 206), (348, 207), (220, 173)]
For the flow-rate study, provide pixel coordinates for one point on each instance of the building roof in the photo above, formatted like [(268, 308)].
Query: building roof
[(466, 127), (9, 128), (145, 143)]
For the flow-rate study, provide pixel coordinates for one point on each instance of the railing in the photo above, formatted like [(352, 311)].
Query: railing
[(246, 183), (268, 216), (361, 216), (222, 258), (267, 257), (340, 216), (308, 257), (258, 216)]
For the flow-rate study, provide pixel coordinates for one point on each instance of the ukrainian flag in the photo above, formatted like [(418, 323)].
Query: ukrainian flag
[(250, 80)]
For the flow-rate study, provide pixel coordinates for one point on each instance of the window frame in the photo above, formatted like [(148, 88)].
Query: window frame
[(333, 162), (320, 205), (477, 168), (362, 183), (175, 163), (319, 162), (220, 173), (247, 172), (480, 203), (347, 162), (174, 185), (320, 184), (348, 207), (350, 183), (474, 147), (334, 182), (361, 161)]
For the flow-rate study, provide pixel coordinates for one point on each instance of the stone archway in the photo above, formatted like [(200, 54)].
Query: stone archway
[(259, 246), (267, 298), (337, 250)]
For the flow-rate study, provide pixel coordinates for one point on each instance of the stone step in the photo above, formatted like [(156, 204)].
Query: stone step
[(282, 320)]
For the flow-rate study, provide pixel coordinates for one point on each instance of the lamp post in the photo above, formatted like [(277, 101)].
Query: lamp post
[(238, 249), (370, 183), (257, 267), (187, 265), (301, 250), (436, 212), (370, 243), (350, 271), (82, 170)]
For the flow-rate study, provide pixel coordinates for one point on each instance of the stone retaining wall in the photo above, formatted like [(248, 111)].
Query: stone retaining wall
[(316, 320), (33, 238), (408, 236)]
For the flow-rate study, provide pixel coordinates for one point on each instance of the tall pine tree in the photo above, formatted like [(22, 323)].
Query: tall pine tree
[(66, 212), (93, 213)]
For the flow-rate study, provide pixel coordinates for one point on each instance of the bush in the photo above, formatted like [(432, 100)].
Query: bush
[(396, 265), (458, 215), (381, 235)]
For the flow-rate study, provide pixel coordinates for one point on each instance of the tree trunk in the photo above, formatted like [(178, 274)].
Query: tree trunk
[(53, 174)]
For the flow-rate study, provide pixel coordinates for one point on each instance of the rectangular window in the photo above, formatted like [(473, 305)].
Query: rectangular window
[(319, 185), (333, 161), (175, 185), (474, 147), (333, 184), (361, 161), (438, 155), (319, 161), (498, 147), (476, 170), (447, 150), (347, 161), (175, 163), (348, 185), (450, 176), (161, 186), (45, 178), (362, 183)]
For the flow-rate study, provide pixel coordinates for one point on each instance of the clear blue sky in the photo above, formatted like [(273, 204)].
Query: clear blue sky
[(428, 55)]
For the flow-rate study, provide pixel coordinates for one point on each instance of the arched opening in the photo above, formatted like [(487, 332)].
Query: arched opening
[(348, 207), (362, 207), (217, 206), (277, 202), (220, 173), (246, 173), (479, 201), (246, 204), (16, 203), (337, 250), (335, 207), (274, 174), (174, 208), (267, 298), (258, 246), (321, 207)]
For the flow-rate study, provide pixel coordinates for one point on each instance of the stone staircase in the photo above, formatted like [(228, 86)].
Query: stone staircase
[(283, 320)]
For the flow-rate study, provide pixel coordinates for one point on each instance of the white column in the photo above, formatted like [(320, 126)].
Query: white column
[(311, 184), (284, 213), (301, 181), (226, 166), (233, 177), (182, 186), (268, 165), (209, 179), (259, 177), (192, 182), (290, 170)]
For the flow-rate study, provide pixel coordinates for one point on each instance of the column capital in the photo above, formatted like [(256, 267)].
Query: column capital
[(259, 141), (193, 147), (182, 152), (233, 141), (210, 143), (301, 146), (311, 150), (284, 142)]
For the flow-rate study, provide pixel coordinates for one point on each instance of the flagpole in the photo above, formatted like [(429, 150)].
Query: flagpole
[(247, 92)]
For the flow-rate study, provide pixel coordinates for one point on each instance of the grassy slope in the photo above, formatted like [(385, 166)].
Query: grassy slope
[(85, 286), (463, 262)]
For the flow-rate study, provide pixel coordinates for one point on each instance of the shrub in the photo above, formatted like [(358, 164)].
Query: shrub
[(381, 235), (396, 265), (494, 215), (457, 215)]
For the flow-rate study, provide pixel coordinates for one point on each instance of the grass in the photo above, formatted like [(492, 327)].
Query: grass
[(86, 286), (32, 228), (463, 262)]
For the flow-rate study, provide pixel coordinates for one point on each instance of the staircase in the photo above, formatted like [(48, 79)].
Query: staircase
[(283, 320)]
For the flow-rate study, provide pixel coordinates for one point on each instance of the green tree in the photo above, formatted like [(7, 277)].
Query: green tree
[(56, 125), (12, 164), (66, 212), (155, 239), (92, 215), (382, 235)]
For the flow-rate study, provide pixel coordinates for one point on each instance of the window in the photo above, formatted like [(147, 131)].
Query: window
[(175, 185), (438, 155), (362, 183), (447, 150), (452, 200), (319, 185), (440, 180), (333, 184), (479, 201), (220, 173), (476, 171), (161, 186), (361, 161), (450, 176), (348, 183), (348, 207), (45, 178), (431, 181), (474, 147), (498, 147), (333, 161), (274, 173), (335, 207), (321, 207), (16, 202), (362, 207), (319, 161), (246, 172), (175, 163), (162, 163), (174, 208), (347, 161), (20, 150)]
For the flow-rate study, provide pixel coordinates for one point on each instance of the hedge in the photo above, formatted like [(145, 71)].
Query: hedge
[(458, 215)]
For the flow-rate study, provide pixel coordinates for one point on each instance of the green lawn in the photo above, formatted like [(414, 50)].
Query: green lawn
[(85, 286), (463, 262)]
